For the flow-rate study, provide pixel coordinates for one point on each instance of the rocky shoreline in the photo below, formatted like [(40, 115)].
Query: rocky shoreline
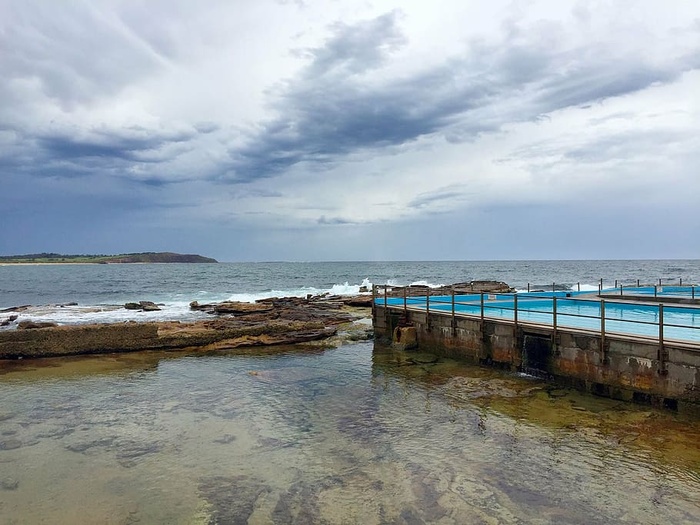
[(272, 321)]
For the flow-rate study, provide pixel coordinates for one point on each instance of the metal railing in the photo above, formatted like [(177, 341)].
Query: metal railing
[(620, 284), (524, 312)]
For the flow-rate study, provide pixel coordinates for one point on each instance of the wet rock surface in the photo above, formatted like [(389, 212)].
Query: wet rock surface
[(464, 288), (144, 306), (274, 321), (16, 308), (31, 325), (8, 320)]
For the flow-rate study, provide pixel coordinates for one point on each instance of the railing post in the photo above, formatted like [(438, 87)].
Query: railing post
[(515, 310), (481, 324), (553, 285), (637, 283), (454, 321), (661, 325), (578, 286), (615, 283), (621, 289), (662, 350), (554, 322), (528, 287), (427, 309), (655, 290), (603, 355), (387, 317)]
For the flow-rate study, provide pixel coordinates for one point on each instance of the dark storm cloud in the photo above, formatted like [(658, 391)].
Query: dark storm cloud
[(135, 154), (340, 103), (121, 146), (60, 64)]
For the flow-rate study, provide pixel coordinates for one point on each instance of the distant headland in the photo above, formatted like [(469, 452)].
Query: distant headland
[(145, 257)]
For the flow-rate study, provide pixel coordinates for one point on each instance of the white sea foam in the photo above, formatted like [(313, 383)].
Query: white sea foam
[(575, 288), (589, 287), (173, 310), (426, 283), (395, 283), (71, 315), (337, 289)]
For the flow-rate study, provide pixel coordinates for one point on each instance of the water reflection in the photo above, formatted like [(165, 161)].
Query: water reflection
[(350, 435)]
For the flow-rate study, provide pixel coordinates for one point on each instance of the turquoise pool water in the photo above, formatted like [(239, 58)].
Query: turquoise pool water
[(574, 310)]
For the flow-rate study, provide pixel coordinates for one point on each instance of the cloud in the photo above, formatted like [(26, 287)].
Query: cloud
[(333, 220), (280, 116), (428, 199), (341, 103), (128, 145), (52, 51)]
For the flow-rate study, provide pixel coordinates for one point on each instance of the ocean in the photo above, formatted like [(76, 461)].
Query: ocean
[(354, 433), (100, 290)]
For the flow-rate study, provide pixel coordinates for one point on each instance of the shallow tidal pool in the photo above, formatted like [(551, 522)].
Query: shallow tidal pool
[(355, 434)]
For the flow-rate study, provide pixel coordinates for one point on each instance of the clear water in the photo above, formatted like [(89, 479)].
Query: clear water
[(347, 435)]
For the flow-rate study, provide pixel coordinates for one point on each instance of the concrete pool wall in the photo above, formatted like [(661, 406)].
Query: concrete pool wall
[(626, 367)]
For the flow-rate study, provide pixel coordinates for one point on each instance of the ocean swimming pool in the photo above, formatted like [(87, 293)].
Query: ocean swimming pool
[(573, 310)]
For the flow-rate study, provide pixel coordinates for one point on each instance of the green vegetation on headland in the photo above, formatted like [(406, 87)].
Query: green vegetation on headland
[(146, 257)]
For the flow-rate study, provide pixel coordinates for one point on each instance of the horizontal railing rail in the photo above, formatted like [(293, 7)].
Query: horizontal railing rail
[(618, 283)]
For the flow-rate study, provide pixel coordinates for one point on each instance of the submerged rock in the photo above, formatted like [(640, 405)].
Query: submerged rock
[(9, 484), (232, 499), (10, 444)]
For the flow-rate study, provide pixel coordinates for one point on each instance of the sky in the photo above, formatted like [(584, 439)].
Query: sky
[(299, 130)]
